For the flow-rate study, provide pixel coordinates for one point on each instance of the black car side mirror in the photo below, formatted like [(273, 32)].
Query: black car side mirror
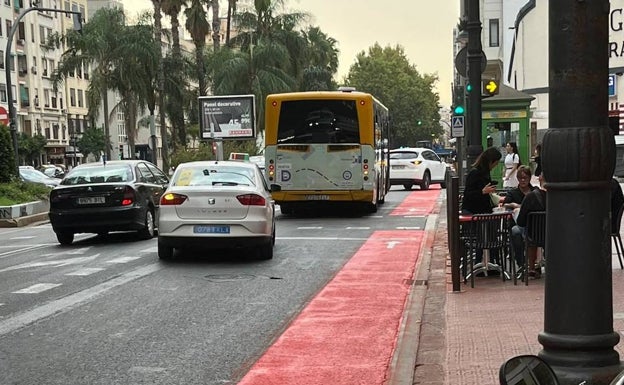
[(527, 370)]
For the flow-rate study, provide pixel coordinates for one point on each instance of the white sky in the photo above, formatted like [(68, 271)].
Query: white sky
[(423, 28)]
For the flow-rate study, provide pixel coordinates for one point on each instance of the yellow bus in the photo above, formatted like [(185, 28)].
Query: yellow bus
[(326, 147)]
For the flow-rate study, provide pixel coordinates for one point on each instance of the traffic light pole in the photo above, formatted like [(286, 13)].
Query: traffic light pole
[(473, 132)]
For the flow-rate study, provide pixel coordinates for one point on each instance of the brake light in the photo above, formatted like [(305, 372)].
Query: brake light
[(251, 200), (128, 197), (172, 199)]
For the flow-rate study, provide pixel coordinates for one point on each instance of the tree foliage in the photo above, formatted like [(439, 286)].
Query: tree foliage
[(7, 157), (93, 141), (388, 75), (30, 148)]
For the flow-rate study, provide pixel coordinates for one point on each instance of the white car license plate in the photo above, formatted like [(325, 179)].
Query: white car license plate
[(398, 167), (317, 197), (203, 229), (91, 200)]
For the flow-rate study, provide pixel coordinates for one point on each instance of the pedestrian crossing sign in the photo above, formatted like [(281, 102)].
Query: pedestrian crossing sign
[(457, 126)]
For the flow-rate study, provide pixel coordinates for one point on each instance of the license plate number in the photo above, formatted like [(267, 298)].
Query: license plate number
[(398, 167), (317, 197), (202, 229), (91, 200)]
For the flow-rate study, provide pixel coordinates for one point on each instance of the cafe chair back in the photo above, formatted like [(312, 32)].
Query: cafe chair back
[(615, 235), (485, 232), (535, 237)]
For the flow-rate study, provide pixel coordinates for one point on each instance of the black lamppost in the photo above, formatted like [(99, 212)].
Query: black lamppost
[(578, 160), (34, 6)]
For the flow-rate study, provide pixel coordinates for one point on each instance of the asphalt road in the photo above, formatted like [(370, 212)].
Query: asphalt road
[(107, 311)]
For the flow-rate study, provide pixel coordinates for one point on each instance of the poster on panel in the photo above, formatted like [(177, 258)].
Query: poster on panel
[(227, 117)]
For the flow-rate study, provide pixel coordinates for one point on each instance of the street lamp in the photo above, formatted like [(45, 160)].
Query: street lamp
[(34, 6)]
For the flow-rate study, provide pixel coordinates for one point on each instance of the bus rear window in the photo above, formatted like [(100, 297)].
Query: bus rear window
[(318, 121)]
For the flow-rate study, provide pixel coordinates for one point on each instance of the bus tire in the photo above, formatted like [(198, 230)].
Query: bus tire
[(286, 209)]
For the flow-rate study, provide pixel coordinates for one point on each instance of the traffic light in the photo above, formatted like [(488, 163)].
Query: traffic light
[(468, 88), (458, 110), (419, 122), (489, 88)]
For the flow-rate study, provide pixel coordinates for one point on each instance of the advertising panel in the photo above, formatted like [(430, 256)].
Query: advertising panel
[(227, 117)]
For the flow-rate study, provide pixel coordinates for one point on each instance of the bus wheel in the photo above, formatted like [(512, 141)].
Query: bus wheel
[(372, 208), (286, 209)]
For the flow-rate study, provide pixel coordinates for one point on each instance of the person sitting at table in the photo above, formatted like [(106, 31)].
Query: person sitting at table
[(515, 196), (533, 201), (479, 185)]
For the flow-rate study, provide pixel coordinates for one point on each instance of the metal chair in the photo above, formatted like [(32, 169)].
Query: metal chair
[(535, 237), (615, 235), (486, 232)]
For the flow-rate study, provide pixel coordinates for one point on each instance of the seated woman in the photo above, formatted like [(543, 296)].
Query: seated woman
[(515, 196), (479, 184)]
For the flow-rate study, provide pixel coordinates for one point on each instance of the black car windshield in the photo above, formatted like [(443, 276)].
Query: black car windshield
[(403, 155), (214, 176), (103, 174)]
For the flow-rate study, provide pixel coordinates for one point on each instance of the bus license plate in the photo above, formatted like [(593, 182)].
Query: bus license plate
[(201, 229), (317, 197)]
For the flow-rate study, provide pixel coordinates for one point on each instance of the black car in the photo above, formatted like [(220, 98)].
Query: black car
[(99, 198)]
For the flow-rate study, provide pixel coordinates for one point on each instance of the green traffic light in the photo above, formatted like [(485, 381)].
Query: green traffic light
[(419, 122), (468, 87), (459, 110)]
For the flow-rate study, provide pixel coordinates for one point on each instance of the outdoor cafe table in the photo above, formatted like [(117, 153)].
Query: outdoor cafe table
[(485, 265)]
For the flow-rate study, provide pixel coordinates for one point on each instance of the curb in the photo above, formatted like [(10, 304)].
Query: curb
[(24, 221), (403, 363)]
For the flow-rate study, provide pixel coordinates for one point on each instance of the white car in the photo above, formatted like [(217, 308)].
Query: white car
[(217, 204), (421, 166)]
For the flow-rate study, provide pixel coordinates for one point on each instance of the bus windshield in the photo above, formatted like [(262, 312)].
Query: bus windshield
[(318, 121)]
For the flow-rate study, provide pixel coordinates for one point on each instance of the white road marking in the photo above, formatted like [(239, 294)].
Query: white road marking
[(391, 244), (358, 228), (413, 216), (27, 248), (79, 251), (57, 263), (86, 271), (37, 288), (24, 237), (409, 228), (375, 216), (149, 250), (309, 228), (321, 239), (11, 324), (122, 259)]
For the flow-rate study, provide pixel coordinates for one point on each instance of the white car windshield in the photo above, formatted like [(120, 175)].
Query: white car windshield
[(214, 176)]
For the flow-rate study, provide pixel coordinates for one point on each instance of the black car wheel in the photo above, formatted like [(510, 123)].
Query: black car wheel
[(407, 186), (266, 251), (147, 232), (424, 185), (65, 238), (165, 252)]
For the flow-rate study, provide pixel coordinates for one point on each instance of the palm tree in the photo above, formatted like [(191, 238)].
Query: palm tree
[(99, 46), (230, 12), (198, 27), (216, 24), (161, 83), (172, 8), (322, 59)]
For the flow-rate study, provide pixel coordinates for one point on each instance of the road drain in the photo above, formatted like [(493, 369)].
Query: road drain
[(230, 277)]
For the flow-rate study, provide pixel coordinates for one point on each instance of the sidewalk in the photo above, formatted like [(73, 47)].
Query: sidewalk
[(466, 336)]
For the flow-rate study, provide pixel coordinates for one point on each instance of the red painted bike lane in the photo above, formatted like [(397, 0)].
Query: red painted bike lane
[(348, 333), (419, 202)]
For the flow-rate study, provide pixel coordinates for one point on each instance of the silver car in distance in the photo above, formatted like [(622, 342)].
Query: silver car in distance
[(217, 204)]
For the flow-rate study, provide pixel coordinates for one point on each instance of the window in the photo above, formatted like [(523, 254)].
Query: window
[(14, 93), (1, 27), (494, 33), (2, 59), (42, 36), (67, 8), (46, 98), (24, 96), (44, 67), (3, 93), (80, 98), (21, 31), (8, 24), (72, 97), (32, 32)]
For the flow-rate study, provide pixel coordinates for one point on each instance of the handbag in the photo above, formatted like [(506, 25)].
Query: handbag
[(494, 199)]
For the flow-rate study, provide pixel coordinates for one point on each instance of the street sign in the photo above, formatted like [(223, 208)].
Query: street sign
[(612, 85), (461, 62), (4, 116), (457, 126)]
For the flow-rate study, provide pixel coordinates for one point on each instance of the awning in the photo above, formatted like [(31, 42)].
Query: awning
[(71, 155)]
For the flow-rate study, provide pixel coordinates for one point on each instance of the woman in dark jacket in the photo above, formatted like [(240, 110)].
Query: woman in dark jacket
[(479, 184)]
